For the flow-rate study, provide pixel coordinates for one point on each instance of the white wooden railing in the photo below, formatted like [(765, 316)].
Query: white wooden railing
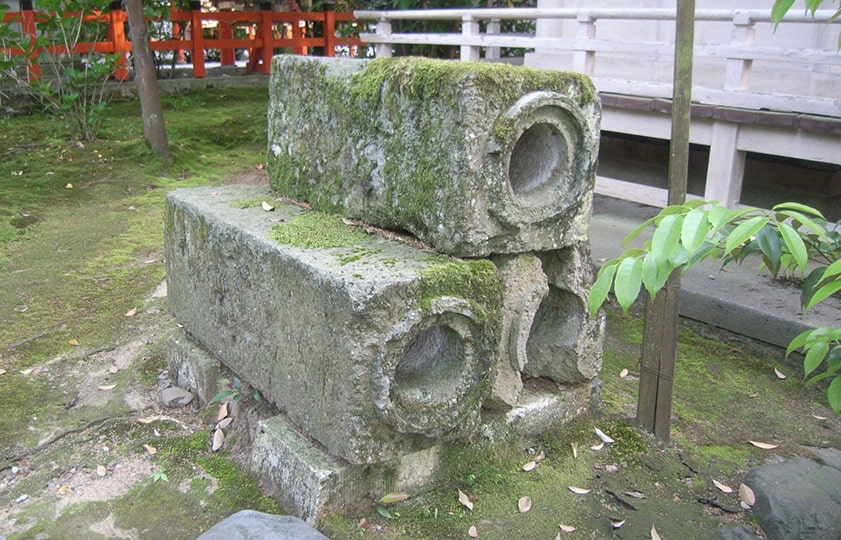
[(725, 72)]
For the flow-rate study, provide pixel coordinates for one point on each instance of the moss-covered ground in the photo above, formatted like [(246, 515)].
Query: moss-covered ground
[(79, 268)]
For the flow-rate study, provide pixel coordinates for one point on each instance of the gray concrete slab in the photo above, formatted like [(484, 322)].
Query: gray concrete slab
[(737, 298)]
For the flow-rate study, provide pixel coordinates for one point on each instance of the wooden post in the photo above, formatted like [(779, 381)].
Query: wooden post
[(583, 58), (383, 50), (494, 28), (659, 343), (197, 34), (329, 30), (227, 56), (469, 28), (266, 31), (27, 29), (117, 35)]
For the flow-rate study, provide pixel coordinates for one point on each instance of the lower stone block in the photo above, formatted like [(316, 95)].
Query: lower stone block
[(192, 368)]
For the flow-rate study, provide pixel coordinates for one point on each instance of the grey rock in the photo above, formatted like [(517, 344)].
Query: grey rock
[(253, 525), (373, 348), (736, 532), (175, 396), (798, 498), (831, 457), (475, 159)]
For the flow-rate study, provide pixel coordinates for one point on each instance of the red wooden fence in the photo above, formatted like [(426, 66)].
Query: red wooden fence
[(266, 31)]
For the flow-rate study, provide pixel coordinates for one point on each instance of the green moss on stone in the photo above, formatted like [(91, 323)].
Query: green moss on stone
[(317, 230), (475, 280)]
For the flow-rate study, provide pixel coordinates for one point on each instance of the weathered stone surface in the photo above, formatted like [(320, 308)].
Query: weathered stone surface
[(564, 342), (474, 158), (253, 525), (312, 485), (798, 498), (736, 532), (372, 347), (524, 287), (192, 368)]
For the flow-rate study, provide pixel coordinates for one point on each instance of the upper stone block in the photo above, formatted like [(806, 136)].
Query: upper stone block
[(473, 158)]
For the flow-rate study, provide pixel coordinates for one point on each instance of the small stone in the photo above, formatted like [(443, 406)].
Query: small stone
[(21, 499), (252, 525), (176, 397)]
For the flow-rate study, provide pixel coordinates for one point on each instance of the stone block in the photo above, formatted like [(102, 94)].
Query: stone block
[(311, 484), (565, 343), (370, 346), (473, 158), (192, 368)]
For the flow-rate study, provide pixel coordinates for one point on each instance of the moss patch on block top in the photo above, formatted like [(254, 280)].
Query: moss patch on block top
[(422, 78), (424, 146), (317, 230)]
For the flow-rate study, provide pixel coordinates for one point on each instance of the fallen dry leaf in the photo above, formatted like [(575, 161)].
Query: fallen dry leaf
[(69, 186), (2, 371), (747, 495), (597, 447), (223, 423), (604, 437), (574, 450), (611, 468), (223, 411), (266, 206), (151, 450), (654, 534), (73, 342), (113, 369), (62, 489), (722, 487), (363, 523), (524, 504), (623, 373), (107, 386), (530, 466), (779, 374), (100, 470), (147, 419), (567, 528), (131, 313), (617, 524), (218, 440), (472, 532), (465, 500), (635, 494), (391, 498), (27, 371), (764, 446), (579, 491), (540, 457), (815, 416)]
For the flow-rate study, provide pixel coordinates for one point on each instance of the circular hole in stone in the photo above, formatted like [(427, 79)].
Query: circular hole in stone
[(554, 334), (432, 366), (538, 161)]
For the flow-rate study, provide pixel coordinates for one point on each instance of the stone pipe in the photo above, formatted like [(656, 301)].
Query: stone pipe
[(372, 347), (473, 158)]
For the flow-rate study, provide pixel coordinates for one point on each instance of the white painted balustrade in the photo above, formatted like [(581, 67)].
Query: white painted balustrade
[(750, 95)]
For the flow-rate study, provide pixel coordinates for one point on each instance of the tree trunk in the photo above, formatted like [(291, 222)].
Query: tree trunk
[(147, 81)]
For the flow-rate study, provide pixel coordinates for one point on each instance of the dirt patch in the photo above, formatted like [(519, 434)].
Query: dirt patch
[(255, 176)]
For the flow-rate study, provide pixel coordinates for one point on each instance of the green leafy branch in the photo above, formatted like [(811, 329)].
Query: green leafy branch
[(786, 238)]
